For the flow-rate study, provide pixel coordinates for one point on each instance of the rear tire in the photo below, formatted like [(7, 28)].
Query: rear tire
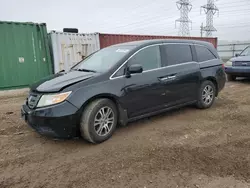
[(98, 121), (231, 77), (206, 95)]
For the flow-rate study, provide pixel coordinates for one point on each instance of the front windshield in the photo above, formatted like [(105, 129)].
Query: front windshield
[(104, 59), (246, 52)]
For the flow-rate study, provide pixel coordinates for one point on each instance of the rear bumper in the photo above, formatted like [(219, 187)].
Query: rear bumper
[(238, 71), (58, 121)]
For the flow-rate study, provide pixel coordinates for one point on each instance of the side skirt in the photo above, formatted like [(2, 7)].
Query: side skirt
[(160, 111)]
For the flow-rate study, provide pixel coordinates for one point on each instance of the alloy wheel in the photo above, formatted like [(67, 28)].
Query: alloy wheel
[(104, 121), (207, 94)]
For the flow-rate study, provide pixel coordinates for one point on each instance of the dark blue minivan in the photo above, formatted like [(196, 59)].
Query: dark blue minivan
[(238, 66)]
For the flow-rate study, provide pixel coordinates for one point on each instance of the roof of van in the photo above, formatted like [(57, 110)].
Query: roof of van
[(155, 41), (142, 43)]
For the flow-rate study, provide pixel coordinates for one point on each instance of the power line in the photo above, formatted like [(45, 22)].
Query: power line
[(232, 27), (155, 18), (165, 31), (219, 2), (141, 25), (146, 21), (235, 14), (239, 23), (149, 25), (233, 6), (235, 26), (236, 10), (226, 7), (129, 13), (147, 18), (172, 30), (227, 11), (197, 9)]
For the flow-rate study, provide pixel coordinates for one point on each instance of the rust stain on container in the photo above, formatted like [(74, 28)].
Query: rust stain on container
[(111, 39)]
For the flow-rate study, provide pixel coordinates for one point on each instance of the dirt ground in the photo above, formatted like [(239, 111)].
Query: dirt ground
[(183, 148)]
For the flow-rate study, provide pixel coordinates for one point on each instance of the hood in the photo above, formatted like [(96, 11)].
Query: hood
[(59, 81), (240, 58)]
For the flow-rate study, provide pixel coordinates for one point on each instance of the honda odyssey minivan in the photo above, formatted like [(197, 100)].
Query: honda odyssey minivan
[(122, 83)]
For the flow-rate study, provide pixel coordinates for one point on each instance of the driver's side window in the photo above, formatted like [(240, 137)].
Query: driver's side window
[(149, 58)]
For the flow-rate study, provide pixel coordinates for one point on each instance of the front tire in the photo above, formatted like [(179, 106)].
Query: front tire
[(98, 121), (231, 77), (206, 95)]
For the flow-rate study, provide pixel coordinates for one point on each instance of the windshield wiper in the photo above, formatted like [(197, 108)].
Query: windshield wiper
[(85, 70)]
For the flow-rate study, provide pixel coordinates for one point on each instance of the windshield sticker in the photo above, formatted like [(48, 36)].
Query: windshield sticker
[(122, 50)]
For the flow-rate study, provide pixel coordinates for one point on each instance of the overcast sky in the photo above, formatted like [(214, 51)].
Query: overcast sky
[(131, 16)]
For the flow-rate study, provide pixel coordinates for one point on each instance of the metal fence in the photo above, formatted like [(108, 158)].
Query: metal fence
[(227, 50)]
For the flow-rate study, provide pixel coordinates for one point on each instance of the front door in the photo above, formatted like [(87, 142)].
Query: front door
[(142, 91)]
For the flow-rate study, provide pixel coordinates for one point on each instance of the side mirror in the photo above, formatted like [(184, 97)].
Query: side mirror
[(136, 68), (236, 55)]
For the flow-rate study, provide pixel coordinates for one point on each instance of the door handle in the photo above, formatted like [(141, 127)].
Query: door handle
[(167, 78), (163, 79), (172, 77)]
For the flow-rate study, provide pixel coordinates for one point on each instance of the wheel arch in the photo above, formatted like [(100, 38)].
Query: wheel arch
[(122, 113), (214, 81)]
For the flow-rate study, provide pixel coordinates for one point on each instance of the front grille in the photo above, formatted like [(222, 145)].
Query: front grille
[(33, 99), (241, 63)]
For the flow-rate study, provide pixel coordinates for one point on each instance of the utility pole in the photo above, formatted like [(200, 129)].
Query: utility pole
[(185, 7), (202, 29), (210, 9)]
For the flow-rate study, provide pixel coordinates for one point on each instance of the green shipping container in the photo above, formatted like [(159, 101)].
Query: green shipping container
[(24, 54)]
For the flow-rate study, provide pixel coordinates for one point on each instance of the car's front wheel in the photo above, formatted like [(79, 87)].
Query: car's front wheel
[(99, 120), (206, 95)]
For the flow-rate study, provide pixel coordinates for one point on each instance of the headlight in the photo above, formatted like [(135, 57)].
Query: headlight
[(50, 99), (228, 64)]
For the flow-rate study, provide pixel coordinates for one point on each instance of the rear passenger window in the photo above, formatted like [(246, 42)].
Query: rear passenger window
[(177, 53), (149, 58), (204, 54)]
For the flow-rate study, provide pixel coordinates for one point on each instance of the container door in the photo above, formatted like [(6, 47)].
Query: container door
[(24, 56)]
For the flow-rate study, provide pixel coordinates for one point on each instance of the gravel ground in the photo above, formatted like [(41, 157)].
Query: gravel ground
[(183, 148)]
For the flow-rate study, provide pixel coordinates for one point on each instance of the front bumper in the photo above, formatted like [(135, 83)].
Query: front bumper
[(57, 121), (238, 71)]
